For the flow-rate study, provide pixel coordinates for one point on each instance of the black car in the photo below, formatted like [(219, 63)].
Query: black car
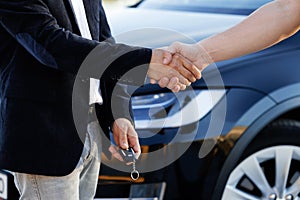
[(234, 134)]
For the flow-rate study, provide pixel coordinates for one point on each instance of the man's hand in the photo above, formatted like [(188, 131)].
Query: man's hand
[(193, 52), (172, 71), (125, 136)]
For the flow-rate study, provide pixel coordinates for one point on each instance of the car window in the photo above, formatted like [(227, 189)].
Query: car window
[(214, 6)]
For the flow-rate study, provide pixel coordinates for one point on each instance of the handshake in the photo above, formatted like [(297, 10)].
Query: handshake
[(178, 65), (174, 67)]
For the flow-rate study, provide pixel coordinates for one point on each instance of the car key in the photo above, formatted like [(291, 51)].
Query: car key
[(129, 157)]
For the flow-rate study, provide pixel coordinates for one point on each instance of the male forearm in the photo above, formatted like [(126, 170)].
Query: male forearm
[(266, 26)]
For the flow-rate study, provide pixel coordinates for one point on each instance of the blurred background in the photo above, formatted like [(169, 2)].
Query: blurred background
[(112, 4)]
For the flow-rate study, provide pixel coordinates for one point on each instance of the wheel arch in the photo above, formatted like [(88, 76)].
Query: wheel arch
[(284, 109)]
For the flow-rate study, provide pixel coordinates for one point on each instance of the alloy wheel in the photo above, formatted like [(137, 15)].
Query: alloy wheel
[(269, 174)]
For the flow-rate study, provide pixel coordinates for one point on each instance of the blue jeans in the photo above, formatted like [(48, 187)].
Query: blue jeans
[(81, 184)]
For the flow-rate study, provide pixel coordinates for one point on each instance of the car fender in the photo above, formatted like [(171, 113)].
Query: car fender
[(255, 125)]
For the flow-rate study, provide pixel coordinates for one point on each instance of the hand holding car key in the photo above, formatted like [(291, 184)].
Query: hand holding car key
[(129, 157)]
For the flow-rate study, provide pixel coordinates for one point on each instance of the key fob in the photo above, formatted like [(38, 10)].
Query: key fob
[(128, 155)]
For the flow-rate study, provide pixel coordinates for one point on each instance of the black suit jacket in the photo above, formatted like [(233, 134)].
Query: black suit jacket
[(40, 54)]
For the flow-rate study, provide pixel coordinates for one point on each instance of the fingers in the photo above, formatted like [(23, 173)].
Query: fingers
[(178, 66), (182, 86), (182, 78), (172, 84), (185, 68), (175, 85), (152, 81), (181, 63), (175, 89), (157, 71), (125, 136), (185, 62), (115, 153), (133, 140), (189, 66), (164, 82), (174, 81), (120, 129), (135, 145)]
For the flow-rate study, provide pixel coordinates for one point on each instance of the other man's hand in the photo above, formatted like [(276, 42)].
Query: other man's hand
[(176, 74), (195, 53)]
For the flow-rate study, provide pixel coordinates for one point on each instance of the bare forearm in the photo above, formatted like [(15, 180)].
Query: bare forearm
[(267, 26)]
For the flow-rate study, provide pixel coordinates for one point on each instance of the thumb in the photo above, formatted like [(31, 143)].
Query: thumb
[(167, 57), (175, 47)]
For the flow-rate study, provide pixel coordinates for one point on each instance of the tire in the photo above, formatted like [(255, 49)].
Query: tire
[(270, 167)]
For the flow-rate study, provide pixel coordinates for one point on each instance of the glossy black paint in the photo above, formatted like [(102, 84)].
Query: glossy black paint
[(249, 80), (261, 87)]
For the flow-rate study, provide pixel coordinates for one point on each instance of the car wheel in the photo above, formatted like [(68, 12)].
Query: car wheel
[(270, 168)]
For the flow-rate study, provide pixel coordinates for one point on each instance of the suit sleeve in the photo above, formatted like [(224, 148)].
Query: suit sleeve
[(32, 25)]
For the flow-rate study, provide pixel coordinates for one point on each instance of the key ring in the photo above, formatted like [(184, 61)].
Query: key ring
[(135, 175), (127, 155)]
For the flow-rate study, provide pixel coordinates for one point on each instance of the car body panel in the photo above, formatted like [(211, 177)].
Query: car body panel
[(145, 32), (257, 69), (244, 7), (120, 22), (237, 103)]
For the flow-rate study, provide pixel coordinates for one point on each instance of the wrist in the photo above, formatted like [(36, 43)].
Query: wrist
[(204, 56)]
